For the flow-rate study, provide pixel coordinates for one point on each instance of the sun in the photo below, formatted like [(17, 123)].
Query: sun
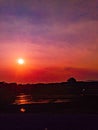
[(20, 61)]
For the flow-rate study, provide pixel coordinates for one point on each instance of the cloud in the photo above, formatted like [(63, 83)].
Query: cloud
[(49, 20), (74, 44), (58, 10)]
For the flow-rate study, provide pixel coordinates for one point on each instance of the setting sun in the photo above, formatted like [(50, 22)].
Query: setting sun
[(20, 61)]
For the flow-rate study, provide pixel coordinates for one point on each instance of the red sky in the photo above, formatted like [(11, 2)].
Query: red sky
[(57, 39)]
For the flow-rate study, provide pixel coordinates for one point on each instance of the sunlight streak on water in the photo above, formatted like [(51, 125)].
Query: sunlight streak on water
[(22, 99)]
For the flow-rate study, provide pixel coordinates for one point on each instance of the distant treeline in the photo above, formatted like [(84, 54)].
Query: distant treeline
[(51, 88)]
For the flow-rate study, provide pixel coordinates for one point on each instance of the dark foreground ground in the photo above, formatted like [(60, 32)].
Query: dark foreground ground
[(30, 121)]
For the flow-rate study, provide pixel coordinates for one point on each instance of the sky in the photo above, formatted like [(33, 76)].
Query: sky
[(57, 39)]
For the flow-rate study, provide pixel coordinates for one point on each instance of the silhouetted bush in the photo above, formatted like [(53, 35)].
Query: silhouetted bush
[(71, 80)]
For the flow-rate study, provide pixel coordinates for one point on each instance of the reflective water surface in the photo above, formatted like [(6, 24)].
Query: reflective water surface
[(29, 99), (23, 99)]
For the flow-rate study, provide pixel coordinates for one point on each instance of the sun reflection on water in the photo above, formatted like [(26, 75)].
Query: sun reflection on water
[(22, 110), (23, 99)]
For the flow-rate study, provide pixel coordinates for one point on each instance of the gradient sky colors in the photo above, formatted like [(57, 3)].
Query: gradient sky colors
[(57, 39)]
